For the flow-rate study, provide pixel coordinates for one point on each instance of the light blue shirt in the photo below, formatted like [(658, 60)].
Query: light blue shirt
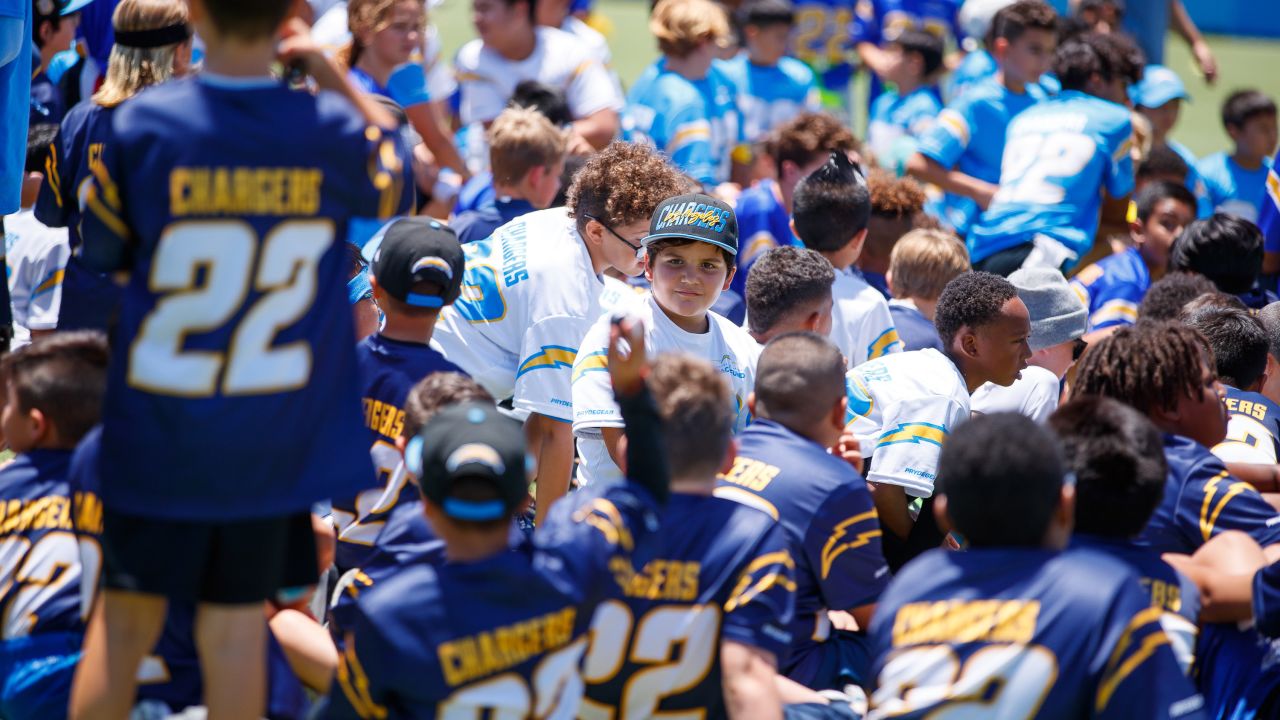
[(897, 121), (769, 96), (15, 99), (1231, 188), (694, 122)]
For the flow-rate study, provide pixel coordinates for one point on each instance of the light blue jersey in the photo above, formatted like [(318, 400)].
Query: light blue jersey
[(976, 68), (768, 96), (694, 122), (1195, 183), (1058, 157), (1233, 189), (969, 137), (896, 123)]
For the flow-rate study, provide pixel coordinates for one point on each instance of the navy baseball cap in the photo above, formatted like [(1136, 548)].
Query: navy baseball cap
[(416, 249), (694, 217), (471, 440)]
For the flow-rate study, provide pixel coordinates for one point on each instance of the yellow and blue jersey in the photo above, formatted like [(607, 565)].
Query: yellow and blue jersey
[(1020, 633), (694, 122), (719, 571), (763, 224), (826, 510), (1253, 428), (969, 136), (1113, 288), (1202, 499), (769, 96), (823, 39), (1233, 189), (1269, 212), (232, 391), (1058, 157), (880, 21)]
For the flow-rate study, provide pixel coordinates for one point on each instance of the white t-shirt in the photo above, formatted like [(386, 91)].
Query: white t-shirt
[(36, 256), (861, 325), (724, 345), (528, 296), (902, 407), (1034, 394), (620, 297)]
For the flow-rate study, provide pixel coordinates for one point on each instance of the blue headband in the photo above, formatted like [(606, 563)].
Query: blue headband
[(358, 287)]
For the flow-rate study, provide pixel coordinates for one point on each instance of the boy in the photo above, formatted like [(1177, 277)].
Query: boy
[(53, 30), (902, 407), (1075, 633), (1113, 287), (961, 154), (878, 23), (1115, 454), (897, 205), (1237, 182), (235, 366), (1158, 97), (35, 255), (1171, 293), (688, 262), (772, 87), (535, 597), (417, 271), (789, 290), (784, 468), (526, 157), (1059, 156), (53, 395), (1228, 251), (920, 266), (823, 41), (832, 208), (905, 111), (719, 580), (533, 290)]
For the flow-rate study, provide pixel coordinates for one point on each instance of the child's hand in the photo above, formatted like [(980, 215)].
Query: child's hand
[(627, 369), (296, 48), (848, 448)]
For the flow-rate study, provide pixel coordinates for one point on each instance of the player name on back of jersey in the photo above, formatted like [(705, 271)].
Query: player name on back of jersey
[(661, 579), (961, 621), (1258, 411), (383, 417), (205, 191), (52, 512), (486, 653)]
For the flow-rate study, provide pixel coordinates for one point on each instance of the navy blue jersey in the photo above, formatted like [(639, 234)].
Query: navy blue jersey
[(50, 556), (718, 571), (1020, 633), (232, 389), (1253, 429), (1238, 672), (1202, 499), (826, 510), (1266, 600), (388, 369)]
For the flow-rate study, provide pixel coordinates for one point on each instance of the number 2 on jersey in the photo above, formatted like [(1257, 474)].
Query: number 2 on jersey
[(1032, 163), (204, 268)]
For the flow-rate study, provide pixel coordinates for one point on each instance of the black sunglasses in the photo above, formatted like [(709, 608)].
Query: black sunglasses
[(1078, 347), (614, 233)]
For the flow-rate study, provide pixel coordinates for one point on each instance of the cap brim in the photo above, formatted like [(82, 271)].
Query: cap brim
[(474, 511), (1160, 97), (648, 240), (75, 6)]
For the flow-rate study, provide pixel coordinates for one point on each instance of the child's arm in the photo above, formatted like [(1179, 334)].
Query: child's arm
[(931, 171), (297, 47)]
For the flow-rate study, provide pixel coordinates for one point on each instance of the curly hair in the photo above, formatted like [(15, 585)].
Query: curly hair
[(971, 300), (696, 408), (1169, 295), (623, 184), (785, 280), (808, 136), (1147, 366), (894, 197)]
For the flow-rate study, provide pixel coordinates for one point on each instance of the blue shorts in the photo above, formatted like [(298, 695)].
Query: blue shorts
[(844, 658), (36, 673)]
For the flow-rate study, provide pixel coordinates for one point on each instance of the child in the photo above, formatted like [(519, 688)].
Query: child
[(772, 87), (684, 104), (1158, 97), (832, 207), (53, 397), (1237, 182), (921, 265), (962, 153), (35, 255), (789, 291), (688, 262), (526, 157), (878, 23), (1113, 287), (1228, 251), (257, 361), (1060, 156), (1170, 294), (417, 271), (905, 111), (1076, 623), (53, 30), (897, 205)]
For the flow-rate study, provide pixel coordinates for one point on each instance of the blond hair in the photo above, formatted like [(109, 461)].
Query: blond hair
[(924, 261), (131, 69), (521, 139), (682, 25), (371, 16)]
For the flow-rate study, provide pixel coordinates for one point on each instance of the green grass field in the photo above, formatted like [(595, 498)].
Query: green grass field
[(1243, 63)]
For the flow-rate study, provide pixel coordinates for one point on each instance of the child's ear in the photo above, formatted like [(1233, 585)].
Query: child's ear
[(730, 454), (728, 278), (1138, 232), (42, 429)]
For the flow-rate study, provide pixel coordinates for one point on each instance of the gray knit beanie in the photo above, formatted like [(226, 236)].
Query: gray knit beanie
[(1057, 313)]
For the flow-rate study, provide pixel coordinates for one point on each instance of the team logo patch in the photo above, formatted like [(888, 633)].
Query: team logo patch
[(477, 453), (693, 214), (434, 263)]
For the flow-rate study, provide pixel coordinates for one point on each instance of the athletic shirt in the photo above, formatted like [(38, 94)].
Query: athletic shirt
[(1231, 188), (881, 21), (1195, 183), (693, 122), (1058, 157), (1253, 429), (975, 69), (916, 331), (830, 521), (528, 296), (763, 224), (1113, 288), (1269, 212), (822, 40), (35, 263), (1202, 499), (897, 120), (861, 325), (728, 347), (770, 95), (969, 136), (235, 398), (719, 571), (1005, 632), (902, 407), (1034, 394)]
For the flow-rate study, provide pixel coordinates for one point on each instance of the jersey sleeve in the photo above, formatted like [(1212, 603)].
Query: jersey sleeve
[(763, 600), (591, 90), (1119, 179), (107, 241), (866, 27), (905, 448), (949, 137), (408, 85), (45, 290), (543, 377), (387, 189), (1269, 213), (876, 333), (1138, 674), (592, 392), (57, 199), (1110, 303), (1213, 501), (357, 691), (843, 548), (688, 141)]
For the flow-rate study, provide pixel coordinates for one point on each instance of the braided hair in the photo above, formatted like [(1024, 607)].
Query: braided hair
[(1146, 366)]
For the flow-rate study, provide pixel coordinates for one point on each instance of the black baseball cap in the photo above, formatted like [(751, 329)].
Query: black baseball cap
[(416, 249), (471, 440), (694, 217)]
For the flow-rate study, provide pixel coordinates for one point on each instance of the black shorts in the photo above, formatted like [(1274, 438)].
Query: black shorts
[(227, 563)]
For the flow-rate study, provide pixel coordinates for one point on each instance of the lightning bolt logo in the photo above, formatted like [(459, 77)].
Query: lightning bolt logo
[(834, 546)]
